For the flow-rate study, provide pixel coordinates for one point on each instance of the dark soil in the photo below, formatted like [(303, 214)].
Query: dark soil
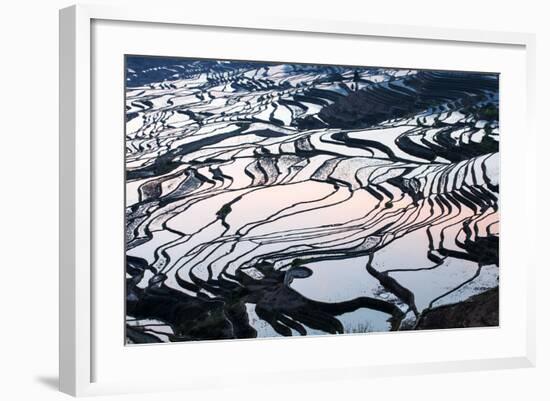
[(478, 311)]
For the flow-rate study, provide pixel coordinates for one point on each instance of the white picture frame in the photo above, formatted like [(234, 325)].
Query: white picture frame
[(82, 345)]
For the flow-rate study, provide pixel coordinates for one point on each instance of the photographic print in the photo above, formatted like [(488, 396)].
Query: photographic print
[(268, 199)]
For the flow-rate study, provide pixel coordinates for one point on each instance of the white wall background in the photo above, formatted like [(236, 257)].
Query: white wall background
[(29, 186)]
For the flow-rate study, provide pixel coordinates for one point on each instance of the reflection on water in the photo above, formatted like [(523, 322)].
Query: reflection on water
[(279, 199)]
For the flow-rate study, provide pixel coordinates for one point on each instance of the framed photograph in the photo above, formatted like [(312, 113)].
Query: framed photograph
[(292, 199)]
